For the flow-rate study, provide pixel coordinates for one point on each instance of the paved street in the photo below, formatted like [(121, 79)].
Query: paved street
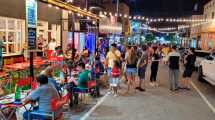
[(157, 103)]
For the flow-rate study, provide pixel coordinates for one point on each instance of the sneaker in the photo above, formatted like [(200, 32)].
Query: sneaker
[(142, 90), (187, 89), (151, 84), (137, 88), (156, 84)]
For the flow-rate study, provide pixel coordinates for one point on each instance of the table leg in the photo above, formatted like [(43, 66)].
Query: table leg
[(11, 114), (2, 115)]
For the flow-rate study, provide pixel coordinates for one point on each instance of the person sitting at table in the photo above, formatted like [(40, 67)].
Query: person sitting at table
[(83, 77), (81, 82), (49, 73), (43, 95)]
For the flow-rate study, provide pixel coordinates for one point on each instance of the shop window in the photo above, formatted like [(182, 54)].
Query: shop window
[(11, 24), (11, 36), (11, 48), (11, 32), (2, 36), (19, 25), (2, 24), (19, 41)]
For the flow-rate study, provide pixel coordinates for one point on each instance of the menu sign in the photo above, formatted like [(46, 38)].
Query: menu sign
[(31, 38), (31, 13)]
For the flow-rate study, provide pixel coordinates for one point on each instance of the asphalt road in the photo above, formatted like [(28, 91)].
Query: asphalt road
[(154, 104)]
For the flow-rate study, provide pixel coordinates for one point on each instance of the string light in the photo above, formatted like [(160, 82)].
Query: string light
[(110, 13), (57, 7), (116, 14), (105, 13), (50, 5)]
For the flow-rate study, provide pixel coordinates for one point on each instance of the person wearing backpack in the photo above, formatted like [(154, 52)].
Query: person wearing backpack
[(141, 67)]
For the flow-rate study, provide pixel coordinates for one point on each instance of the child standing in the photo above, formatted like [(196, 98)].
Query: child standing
[(115, 78)]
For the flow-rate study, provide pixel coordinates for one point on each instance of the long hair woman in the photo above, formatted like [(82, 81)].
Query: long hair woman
[(131, 62)]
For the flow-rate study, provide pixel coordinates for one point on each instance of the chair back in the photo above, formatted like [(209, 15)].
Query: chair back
[(24, 82), (56, 104), (91, 84)]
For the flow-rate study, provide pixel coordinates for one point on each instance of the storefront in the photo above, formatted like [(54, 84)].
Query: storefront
[(13, 29)]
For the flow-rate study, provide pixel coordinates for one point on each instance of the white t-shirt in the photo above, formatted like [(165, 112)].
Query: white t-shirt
[(52, 45), (112, 57)]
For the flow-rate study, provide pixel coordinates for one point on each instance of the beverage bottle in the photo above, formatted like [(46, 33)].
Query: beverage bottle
[(18, 94)]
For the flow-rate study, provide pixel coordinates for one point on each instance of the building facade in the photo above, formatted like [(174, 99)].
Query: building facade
[(203, 36), (13, 25), (208, 29)]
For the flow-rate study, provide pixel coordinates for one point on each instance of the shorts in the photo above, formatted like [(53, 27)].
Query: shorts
[(109, 71), (131, 71), (114, 81), (142, 72), (187, 73)]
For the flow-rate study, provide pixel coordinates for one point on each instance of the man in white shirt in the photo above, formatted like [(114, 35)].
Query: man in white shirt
[(52, 44), (112, 55)]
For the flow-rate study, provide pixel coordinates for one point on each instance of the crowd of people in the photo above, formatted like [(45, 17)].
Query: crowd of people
[(129, 64), (133, 66)]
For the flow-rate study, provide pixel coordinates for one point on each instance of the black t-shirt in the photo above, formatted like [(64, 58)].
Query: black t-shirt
[(191, 59), (155, 57)]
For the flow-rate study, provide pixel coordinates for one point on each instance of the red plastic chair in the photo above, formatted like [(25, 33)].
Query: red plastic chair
[(55, 105), (24, 82), (91, 88)]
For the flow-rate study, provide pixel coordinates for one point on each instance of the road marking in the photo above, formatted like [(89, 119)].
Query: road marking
[(203, 97), (94, 107)]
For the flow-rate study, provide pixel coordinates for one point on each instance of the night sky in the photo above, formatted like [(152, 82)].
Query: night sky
[(166, 8)]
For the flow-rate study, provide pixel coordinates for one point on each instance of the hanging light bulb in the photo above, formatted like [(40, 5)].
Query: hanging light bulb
[(78, 14), (125, 16), (57, 7), (134, 17), (143, 18), (105, 13), (130, 17), (120, 15), (147, 19), (70, 12), (110, 13), (50, 5), (116, 14), (88, 17), (85, 9)]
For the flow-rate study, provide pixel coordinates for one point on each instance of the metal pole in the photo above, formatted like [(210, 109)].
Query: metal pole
[(117, 7)]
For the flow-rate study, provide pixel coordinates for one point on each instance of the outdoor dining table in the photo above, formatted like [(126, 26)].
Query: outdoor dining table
[(24, 65), (3, 74), (8, 103)]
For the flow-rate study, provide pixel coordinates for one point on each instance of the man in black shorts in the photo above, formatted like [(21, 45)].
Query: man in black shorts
[(142, 66), (190, 60)]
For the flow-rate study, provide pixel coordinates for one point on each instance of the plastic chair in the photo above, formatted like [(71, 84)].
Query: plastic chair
[(55, 105), (91, 88)]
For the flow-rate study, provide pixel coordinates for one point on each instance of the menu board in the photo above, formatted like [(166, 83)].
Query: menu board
[(31, 38), (31, 13)]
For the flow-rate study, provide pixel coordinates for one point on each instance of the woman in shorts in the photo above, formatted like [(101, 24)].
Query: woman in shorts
[(131, 69)]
